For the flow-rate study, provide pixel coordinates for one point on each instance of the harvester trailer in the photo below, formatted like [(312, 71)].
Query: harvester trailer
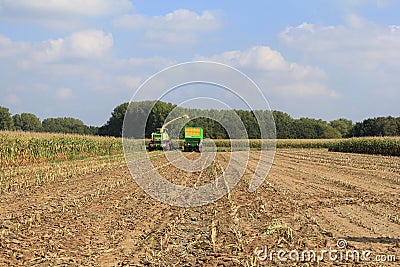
[(160, 139), (193, 139)]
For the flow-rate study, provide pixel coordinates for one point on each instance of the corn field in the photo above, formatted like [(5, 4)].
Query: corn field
[(388, 146), (71, 200), (255, 144), (18, 148)]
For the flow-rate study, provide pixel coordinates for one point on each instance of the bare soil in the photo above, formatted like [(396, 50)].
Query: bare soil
[(310, 199)]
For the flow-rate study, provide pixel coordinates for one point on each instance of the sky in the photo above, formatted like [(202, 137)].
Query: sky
[(321, 59)]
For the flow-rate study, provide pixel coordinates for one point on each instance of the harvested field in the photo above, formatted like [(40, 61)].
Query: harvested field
[(101, 217)]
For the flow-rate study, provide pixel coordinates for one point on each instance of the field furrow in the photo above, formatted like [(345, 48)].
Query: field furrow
[(309, 200)]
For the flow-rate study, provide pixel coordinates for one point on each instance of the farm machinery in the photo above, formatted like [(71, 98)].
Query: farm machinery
[(193, 139), (160, 139)]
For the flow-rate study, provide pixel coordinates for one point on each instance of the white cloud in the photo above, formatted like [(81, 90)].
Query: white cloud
[(79, 45), (263, 58), (83, 54), (275, 74), (57, 8), (306, 89), (64, 94), (90, 43), (9, 48), (259, 57), (358, 44), (363, 59), (179, 26), (60, 14), (178, 20)]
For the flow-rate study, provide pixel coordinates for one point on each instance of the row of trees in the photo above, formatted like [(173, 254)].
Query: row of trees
[(145, 117), (154, 114), (286, 126), (30, 122), (381, 126)]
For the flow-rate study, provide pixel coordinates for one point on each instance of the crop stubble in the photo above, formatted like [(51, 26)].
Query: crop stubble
[(309, 199)]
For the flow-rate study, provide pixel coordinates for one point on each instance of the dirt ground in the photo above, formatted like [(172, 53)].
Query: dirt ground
[(310, 200)]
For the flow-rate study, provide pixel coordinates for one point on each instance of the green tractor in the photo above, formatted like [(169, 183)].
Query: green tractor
[(160, 139), (193, 139)]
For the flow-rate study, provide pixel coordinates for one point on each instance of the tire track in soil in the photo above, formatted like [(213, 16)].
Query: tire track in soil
[(350, 177), (353, 220), (61, 189), (308, 190), (362, 233), (384, 211), (156, 238), (51, 233), (125, 226), (151, 216), (24, 198), (368, 220), (197, 229), (249, 217), (228, 250), (375, 176), (184, 232), (162, 240), (358, 161), (76, 210)]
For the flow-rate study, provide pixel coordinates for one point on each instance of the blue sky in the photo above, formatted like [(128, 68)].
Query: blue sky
[(321, 59)]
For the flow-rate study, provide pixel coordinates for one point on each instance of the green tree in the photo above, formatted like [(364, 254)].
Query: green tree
[(330, 132), (390, 127), (29, 122), (158, 116), (64, 125), (153, 115), (6, 121), (357, 130), (250, 122), (284, 125), (139, 113), (308, 128), (398, 126), (17, 122), (92, 130), (344, 126), (380, 126)]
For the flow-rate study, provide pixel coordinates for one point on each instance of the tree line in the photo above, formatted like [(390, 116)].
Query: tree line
[(286, 126), (154, 114), (30, 122)]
